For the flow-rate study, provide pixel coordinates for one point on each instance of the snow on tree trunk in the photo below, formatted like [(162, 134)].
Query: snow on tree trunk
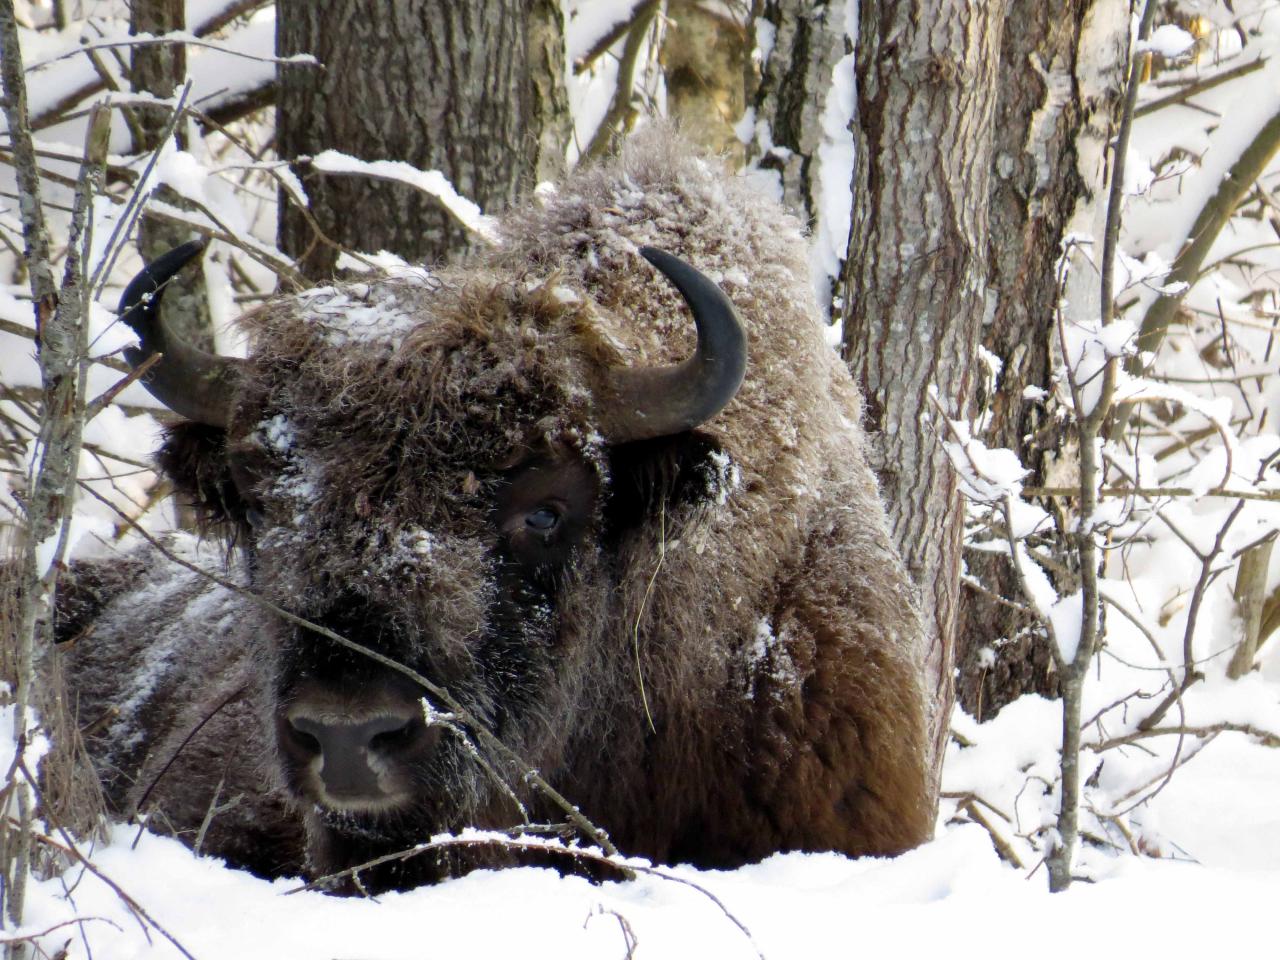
[(800, 108), (474, 90)]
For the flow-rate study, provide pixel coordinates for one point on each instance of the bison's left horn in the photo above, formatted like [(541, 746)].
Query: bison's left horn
[(186, 379), (650, 402)]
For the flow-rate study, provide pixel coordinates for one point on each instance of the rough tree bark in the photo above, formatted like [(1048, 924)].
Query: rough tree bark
[(474, 90), (160, 70), (805, 40), (915, 280), (1058, 103)]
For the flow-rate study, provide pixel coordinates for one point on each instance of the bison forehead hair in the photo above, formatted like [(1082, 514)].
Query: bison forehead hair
[(529, 477)]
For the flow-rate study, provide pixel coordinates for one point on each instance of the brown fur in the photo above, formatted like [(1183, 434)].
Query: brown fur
[(731, 662)]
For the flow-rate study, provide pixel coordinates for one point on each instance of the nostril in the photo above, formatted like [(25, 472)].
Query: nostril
[(399, 738), (303, 741)]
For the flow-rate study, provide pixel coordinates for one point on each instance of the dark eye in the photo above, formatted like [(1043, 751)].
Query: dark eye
[(543, 520)]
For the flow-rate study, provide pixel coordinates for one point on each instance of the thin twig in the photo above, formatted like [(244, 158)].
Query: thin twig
[(100, 403), (528, 846), (30, 937), (175, 38), (71, 848), (1156, 493), (1267, 738)]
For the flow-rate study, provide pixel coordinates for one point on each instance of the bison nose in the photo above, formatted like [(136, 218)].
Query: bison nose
[(356, 756)]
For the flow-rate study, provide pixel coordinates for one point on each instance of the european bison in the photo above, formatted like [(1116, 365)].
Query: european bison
[(667, 586)]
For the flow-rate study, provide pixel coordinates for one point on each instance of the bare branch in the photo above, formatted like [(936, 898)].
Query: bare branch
[(620, 106), (1267, 738), (1215, 214)]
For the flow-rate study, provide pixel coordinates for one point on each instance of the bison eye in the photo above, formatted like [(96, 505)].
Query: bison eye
[(543, 520)]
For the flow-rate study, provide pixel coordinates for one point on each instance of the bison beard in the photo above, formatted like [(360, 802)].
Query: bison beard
[(671, 594)]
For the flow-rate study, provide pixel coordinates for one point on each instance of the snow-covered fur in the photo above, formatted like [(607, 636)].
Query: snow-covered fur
[(716, 658)]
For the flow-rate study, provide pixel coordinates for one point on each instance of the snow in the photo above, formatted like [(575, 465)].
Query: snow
[(431, 182), (349, 315), (1168, 40), (938, 900), (833, 189), (1066, 615)]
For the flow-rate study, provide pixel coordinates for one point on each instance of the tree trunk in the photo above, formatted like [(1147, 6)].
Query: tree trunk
[(160, 70), (915, 280), (1051, 122), (804, 40), (474, 90), (802, 114)]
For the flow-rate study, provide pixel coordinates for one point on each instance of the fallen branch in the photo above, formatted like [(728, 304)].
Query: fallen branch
[(611, 861)]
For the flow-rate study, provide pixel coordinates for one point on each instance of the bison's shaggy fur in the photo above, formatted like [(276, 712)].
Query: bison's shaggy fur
[(717, 658)]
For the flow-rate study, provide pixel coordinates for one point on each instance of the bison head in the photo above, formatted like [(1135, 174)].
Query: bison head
[(448, 471)]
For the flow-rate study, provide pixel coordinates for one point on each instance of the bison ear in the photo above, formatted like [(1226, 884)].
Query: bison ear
[(194, 458), (663, 473)]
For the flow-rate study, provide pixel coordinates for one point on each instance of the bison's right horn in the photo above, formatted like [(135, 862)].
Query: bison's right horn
[(187, 380), (648, 402)]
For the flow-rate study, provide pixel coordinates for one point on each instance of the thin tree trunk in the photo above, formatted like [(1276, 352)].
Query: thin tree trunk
[(61, 318), (916, 275), (474, 90)]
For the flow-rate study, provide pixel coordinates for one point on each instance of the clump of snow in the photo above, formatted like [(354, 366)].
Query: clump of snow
[(987, 474), (726, 477), (351, 315), (431, 182), (1168, 40), (768, 658), (1067, 617), (279, 433)]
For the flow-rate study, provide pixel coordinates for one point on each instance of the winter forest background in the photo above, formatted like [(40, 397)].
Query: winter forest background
[(1048, 238)]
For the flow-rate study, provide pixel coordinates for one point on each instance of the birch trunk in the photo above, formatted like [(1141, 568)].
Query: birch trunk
[(61, 318)]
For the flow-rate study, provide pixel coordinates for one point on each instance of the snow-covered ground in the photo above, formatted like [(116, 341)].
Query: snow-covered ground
[(953, 897)]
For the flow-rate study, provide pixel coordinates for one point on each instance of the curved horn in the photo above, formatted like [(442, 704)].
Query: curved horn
[(187, 380), (650, 402)]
